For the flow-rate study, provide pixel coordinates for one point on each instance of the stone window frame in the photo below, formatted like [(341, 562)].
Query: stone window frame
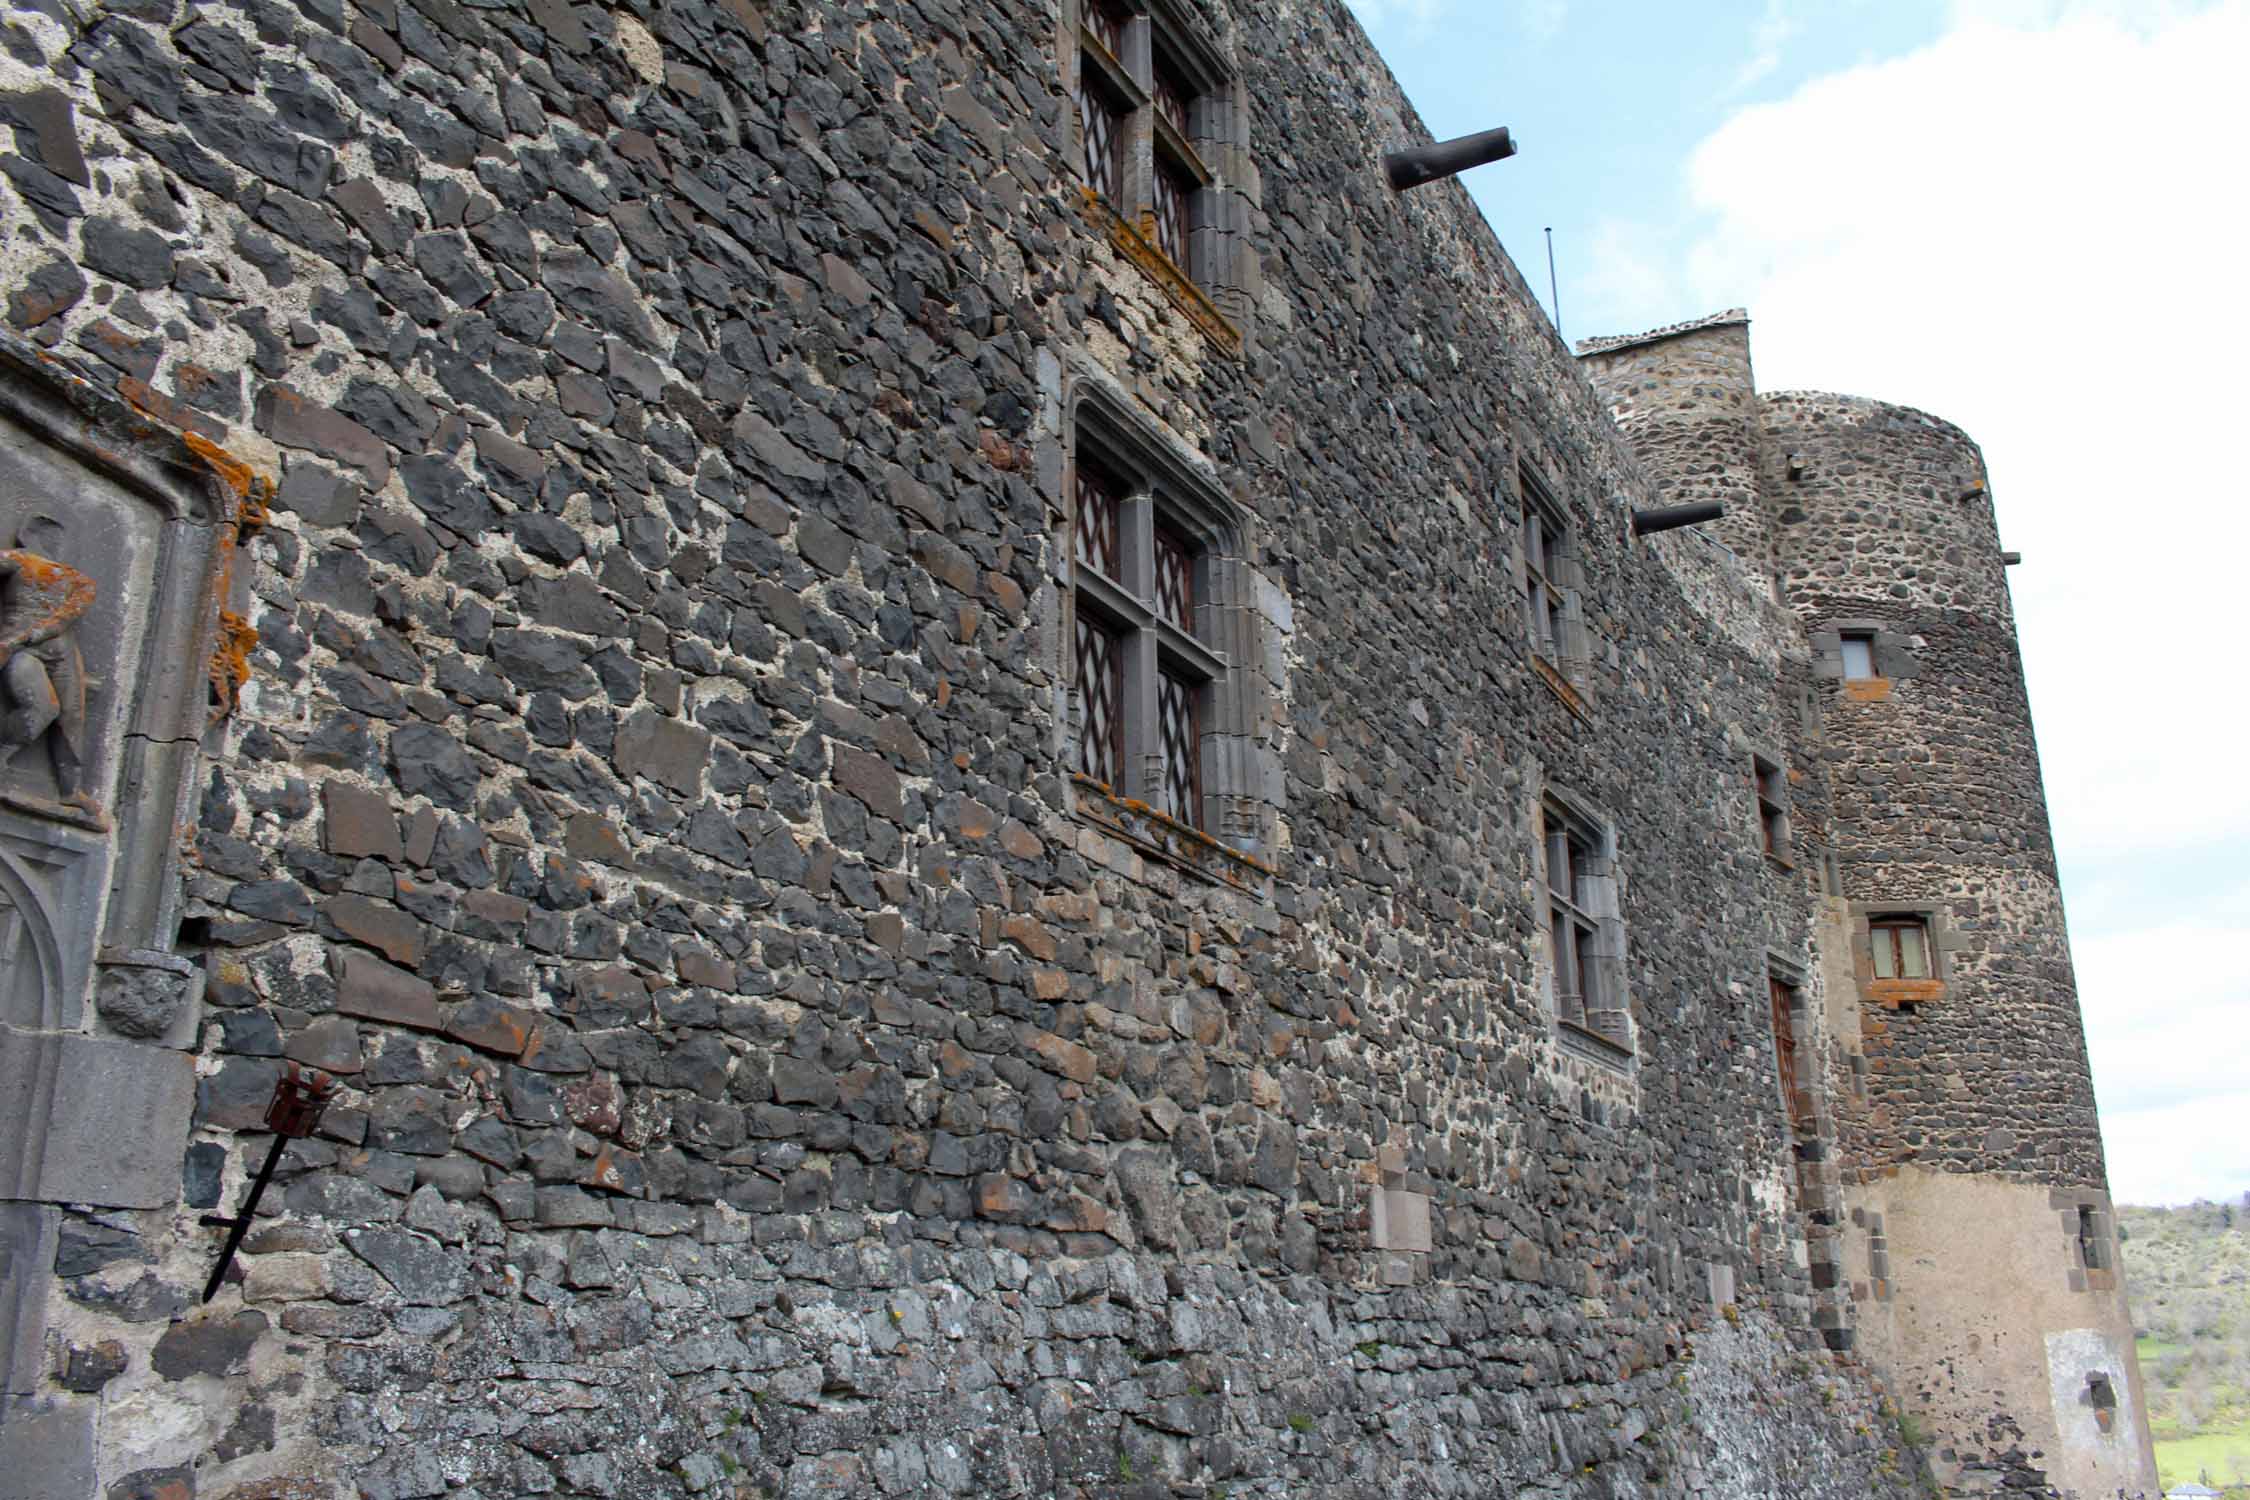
[(1562, 657), (1167, 483), (2089, 1226), (1904, 995), (1209, 285), (1602, 1030), (1769, 798), (1892, 652)]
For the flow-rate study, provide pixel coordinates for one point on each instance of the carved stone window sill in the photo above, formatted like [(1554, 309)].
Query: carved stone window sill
[(1137, 243), (1592, 1045), (1159, 836), (1560, 686)]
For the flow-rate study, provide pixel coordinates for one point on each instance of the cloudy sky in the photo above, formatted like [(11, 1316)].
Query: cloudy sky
[(2031, 217)]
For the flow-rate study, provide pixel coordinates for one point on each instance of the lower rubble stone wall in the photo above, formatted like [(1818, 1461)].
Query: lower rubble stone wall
[(463, 1361)]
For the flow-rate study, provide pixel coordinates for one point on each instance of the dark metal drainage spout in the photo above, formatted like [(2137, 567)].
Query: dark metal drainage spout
[(1417, 165), (1672, 517)]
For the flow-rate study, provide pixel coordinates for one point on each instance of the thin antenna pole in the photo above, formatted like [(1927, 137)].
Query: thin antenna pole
[(1554, 298)]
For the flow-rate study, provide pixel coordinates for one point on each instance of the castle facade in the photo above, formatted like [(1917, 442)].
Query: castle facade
[(910, 754)]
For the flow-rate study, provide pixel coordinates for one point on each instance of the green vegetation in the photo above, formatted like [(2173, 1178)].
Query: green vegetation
[(2187, 1275)]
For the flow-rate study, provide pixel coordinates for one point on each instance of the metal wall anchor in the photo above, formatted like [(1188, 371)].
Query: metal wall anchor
[(300, 1096)]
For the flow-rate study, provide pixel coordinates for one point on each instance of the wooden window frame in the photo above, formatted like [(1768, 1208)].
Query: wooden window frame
[(1884, 931)]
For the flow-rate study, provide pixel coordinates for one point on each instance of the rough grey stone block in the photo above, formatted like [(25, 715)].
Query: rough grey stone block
[(46, 1449), (110, 1129)]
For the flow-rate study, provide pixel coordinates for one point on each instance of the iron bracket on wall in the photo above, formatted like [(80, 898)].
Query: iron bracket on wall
[(300, 1096)]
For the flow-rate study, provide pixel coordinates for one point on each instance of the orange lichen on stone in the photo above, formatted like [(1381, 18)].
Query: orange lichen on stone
[(1137, 243), (230, 662), (1868, 689)]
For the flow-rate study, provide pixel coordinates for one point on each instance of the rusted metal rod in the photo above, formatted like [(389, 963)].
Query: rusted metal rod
[(300, 1096)]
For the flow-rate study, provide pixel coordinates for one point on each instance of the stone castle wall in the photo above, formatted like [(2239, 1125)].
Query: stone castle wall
[(765, 1069)]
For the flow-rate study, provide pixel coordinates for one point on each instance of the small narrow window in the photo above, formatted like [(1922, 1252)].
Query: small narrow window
[(1585, 945), (2089, 1238), (1770, 787), (1859, 654), (1901, 947), (1784, 1032), (1546, 544)]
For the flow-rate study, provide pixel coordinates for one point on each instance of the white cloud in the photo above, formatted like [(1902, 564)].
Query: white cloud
[(1774, 29), (2035, 227)]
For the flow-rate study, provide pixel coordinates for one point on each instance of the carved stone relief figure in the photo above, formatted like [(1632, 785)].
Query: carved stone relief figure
[(43, 683)]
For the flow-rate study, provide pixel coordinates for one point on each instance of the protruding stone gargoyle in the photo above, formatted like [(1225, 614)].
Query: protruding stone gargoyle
[(43, 680)]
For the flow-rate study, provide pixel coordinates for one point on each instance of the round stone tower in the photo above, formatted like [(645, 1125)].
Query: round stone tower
[(1980, 1245)]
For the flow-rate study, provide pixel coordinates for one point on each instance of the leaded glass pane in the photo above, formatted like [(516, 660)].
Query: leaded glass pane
[(1097, 519), (1101, 696), (1103, 133), (1172, 98), (1178, 741), (1175, 580), (1175, 193), (1107, 24)]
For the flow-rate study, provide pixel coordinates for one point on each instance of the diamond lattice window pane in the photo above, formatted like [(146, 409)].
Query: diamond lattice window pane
[(1101, 695), (1172, 96), (1175, 193), (1179, 741), (1107, 24), (1175, 580), (1097, 519), (1104, 136)]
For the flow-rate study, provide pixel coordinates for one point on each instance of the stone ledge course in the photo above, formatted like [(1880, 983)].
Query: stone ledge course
[(760, 1073)]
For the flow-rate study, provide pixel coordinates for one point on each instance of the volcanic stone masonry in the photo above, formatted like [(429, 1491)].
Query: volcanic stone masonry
[(960, 752)]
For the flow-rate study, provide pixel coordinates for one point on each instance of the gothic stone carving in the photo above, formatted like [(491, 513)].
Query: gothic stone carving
[(42, 671), (111, 541)]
